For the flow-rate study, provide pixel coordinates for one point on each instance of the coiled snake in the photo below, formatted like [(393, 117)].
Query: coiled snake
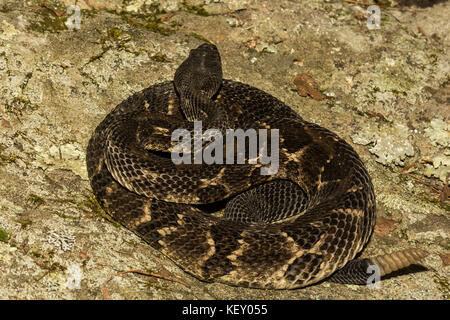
[(303, 223)]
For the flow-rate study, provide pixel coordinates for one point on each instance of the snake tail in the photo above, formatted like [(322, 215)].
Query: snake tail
[(361, 271)]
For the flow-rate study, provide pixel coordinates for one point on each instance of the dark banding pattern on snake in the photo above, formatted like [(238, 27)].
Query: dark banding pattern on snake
[(304, 223)]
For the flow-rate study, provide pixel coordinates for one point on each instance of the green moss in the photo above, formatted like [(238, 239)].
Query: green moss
[(150, 21), (154, 9), (48, 179), (55, 266), (35, 200), (198, 10), (24, 223), (5, 8), (115, 33), (90, 205), (154, 26), (199, 37), (25, 81), (50, 268), (65, 216), (437, 202), (403, 234), (159, 58), (445, 244), (3, 236), (360, 113), (445, 206), (49, 22), (175, 24), (97, 56), (88, 13), (87, 204), (444, 285), (71, 201), (386, 3), (19, 106), (152, 285), (111, 39), (113, 36), (37, 254), (6, 159)]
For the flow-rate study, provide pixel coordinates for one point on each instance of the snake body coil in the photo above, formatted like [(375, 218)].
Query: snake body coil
[(285, 230)]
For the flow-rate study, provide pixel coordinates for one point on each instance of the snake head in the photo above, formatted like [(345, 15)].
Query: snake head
[(197, 79)]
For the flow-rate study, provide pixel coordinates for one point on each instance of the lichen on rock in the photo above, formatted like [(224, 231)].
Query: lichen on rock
[(440, 167), (439, 132), (387, 89), (391, 143)]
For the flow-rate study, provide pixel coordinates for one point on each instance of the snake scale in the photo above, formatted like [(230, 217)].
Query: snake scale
[(285, 230)]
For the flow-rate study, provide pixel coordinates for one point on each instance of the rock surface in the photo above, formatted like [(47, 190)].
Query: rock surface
[(387, 94)]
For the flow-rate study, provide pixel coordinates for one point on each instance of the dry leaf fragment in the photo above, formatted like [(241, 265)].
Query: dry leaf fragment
[(57, 13), (349, 80), (435, 37), (166, 17), (306, 85), (83, 255), (445, 193), (410, 168), (376, 114), (251, 44), (445, 259), (420, 30), (105, 293), (94, 6), (6, 124), (165, 273), (384, 226)]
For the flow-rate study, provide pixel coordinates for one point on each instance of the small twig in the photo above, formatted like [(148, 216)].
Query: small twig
[(146, 273), (426, 184), (427, 161), (55, 12), (105, 292), (367, 4), (420, 30), (445, 194), (410, 168)]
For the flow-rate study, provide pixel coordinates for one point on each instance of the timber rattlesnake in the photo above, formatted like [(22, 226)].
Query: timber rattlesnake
[(285, 230)]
